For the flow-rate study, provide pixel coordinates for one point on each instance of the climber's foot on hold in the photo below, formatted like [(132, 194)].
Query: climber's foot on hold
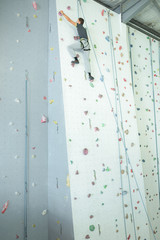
[(75, 61), (91, 79)]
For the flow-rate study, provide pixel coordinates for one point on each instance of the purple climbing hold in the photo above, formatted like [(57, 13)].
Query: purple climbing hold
[(60, 14), (85, 151), (69, 8)]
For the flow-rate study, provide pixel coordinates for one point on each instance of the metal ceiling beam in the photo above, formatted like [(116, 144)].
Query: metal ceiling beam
[(156, 5), (129, 9), (144, 29), (103, 4)]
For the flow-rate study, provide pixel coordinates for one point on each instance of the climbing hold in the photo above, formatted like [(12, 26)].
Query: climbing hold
[(102, 12), (91, 228), (96, 129), (35, 16), (107, 38), (10, 124), (68, 181), (77, 172), (17, 100), (33, 184), (91, 84), (17, 194), (76, 37), (51, 101), (85, 112), (34, 5), (87, 237), (44, 212), (69, 8), (85, 151), (5, 206), (43, 119), (33, 225), (102, 78), (60, 14), (17, 236)]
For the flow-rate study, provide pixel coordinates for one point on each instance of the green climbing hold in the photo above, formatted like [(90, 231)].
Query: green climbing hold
[(91, 228), (105, 186), (84, 0), (95, 46), (108, 169), (91, 84), (103, 125)]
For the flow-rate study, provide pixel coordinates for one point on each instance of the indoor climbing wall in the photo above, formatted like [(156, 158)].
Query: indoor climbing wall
[(146, 85), (104, 158), (24, 54)]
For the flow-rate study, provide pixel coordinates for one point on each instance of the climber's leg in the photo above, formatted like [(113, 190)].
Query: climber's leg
[(87, 64), (72, 49)]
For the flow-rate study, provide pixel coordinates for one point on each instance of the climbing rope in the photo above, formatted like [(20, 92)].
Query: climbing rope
[(155, 120), (117, 93), (118, 136), (130, 55), (26, 158), (115, 117)]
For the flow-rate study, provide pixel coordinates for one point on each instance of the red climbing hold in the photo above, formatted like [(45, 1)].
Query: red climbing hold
[(5, 206), (34, 5), (87, 237), (102, 13), (85, 151), (129, 237)]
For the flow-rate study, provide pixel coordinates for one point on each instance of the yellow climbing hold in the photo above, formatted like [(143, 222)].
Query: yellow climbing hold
[(35, 16), (51, 101), (51, 48), (34, 225), (58, 222), (57, 238), (55, 122), (68, 181)]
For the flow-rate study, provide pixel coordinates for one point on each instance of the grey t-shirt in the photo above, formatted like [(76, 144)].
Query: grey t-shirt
[(82, 31)]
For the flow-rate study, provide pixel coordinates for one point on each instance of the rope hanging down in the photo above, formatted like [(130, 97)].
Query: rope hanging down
[(130, 55), (155, 120), (26, 158), (118, 136), (114, 115), (117, 93)]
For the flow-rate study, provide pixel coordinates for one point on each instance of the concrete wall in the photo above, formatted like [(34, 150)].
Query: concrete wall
[(23, 48)]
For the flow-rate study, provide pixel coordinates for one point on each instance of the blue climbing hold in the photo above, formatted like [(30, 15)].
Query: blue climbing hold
[(107, 38), (102, 78)]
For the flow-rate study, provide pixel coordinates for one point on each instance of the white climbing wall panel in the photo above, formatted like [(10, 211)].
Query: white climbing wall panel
[(144, 88), (99, 211)]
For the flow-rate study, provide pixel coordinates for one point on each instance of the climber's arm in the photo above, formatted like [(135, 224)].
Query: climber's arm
[(68, 19)]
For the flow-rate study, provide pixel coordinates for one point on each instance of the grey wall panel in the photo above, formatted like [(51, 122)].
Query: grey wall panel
[(21, 50), (60, 213)]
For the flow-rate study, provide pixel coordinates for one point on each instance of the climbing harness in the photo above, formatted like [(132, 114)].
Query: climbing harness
[(118, 130), (85, 44)]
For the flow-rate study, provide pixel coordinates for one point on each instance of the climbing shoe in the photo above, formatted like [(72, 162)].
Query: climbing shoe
[(75, 61), (91, 79)]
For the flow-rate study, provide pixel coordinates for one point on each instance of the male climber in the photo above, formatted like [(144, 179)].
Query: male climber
[(82, 45)]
